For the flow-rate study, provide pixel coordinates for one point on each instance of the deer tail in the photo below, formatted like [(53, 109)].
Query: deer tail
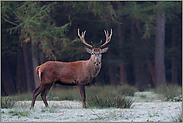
[(37, 69)]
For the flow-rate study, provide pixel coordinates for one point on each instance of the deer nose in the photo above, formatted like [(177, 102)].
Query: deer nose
[(97, 63), (97, 60)]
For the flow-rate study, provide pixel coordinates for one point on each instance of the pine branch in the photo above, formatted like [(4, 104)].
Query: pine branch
[(9, 21)]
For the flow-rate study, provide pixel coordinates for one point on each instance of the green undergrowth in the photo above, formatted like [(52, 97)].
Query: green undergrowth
[(8, 102), (96, 96), (109, 100), (171, 92), (110, 96), (20, 112)]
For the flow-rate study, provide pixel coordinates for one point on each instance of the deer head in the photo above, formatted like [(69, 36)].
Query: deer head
[(96, 53)]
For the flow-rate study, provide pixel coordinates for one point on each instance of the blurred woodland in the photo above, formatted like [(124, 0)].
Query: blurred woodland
[(145, 50)]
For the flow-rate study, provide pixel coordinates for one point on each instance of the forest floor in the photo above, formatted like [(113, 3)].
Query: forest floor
[(146, 108)]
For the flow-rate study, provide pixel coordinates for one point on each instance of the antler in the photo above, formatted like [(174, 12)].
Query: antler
[(108, 38), (82, 38)]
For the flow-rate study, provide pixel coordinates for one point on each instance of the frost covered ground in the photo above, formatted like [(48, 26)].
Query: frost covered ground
[(147, 108)]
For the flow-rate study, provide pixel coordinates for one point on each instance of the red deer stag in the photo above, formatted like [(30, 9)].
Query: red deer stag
[(78, 73)]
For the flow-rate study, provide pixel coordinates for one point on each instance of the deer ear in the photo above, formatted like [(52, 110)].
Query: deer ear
[(104, 50), (88, 50)]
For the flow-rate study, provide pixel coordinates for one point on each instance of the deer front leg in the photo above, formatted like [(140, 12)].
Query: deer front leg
[(82, 94)]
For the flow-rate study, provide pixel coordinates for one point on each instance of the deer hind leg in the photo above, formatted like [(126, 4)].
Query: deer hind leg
[(82, 94), (36, 92), (44, 93)]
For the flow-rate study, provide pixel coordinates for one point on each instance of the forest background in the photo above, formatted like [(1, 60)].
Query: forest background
[(145, 50)]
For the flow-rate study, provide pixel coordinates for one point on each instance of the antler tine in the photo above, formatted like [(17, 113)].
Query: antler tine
[(92, 43), (100, 42), (82, 38), (108, 38)]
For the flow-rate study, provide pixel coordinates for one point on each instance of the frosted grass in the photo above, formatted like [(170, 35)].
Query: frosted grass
[(150, 109)]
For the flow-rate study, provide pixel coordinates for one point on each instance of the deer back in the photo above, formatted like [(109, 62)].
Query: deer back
[(65, 72)]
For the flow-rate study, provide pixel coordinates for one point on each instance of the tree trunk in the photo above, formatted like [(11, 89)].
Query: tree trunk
[(28, 68), (160, 49), (35, 62), (123, 78), (7, 80), (151, 70), (112, 72), (112, 75), (138, 73), (136, 59), (149, 63), (146, 76), (20, 74), (174, 65), (42, 55)]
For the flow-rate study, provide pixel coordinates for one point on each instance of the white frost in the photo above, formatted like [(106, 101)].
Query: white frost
[(72, 111)]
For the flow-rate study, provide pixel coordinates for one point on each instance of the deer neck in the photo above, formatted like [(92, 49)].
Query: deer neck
[(94, 69)]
